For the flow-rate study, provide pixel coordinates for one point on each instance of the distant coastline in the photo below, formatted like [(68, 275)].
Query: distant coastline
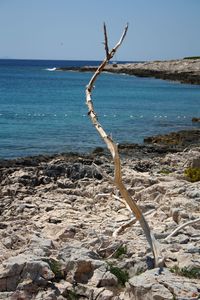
[(183, 70)]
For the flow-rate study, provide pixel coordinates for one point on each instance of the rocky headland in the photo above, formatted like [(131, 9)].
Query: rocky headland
[(182, 70), (60, 218)]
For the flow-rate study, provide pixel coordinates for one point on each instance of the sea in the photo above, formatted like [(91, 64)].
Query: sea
[(43, 111)]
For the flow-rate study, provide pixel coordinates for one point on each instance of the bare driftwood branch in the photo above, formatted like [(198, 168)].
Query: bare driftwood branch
[(112, 146), (181, 227)]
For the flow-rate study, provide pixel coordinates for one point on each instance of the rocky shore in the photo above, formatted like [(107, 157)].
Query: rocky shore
[(184, 70), (59, 221)]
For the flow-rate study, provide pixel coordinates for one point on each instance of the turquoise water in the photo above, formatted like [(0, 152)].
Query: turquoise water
[(44, 111)]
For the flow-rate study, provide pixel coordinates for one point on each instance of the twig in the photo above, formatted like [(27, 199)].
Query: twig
[(112, 146), (103, 195), (102, 172), (111, 255), (181, 227), (102, 65), (122, 201), (129, 223), (106, 41)]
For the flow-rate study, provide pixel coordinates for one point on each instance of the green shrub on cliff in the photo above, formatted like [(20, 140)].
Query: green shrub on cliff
[(192, 57), (120, 251), (56, 268), (121, 275), (193, 174), (190, 273)]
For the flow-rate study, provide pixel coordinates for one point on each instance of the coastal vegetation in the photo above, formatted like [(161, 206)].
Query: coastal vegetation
[(121, 275), (192, 174), (192, 57), (192, 272), (120, 251)]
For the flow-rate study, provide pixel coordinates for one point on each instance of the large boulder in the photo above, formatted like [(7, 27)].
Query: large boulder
[(160, 285), (80, 264), (24, 268)]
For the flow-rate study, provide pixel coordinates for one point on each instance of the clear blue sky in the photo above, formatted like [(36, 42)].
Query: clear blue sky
[(72, 29)]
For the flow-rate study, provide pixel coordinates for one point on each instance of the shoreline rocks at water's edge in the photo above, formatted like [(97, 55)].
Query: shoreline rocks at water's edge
[(58, 215), (182, 70), (152, 147), (180, 139)]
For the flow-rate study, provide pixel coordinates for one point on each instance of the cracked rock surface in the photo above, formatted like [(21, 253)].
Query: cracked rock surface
[(58, 215)]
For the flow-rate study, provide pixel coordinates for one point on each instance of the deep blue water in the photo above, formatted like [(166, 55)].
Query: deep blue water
[(44, 111)]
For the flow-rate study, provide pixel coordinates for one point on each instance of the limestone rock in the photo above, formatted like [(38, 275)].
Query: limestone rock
[(154, 285), (175, 212), (105, 295), (41, 245), (56, 232), (22, 268), (80, 263), (196, 120)]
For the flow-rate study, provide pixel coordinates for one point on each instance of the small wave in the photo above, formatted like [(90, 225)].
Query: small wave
[(51, 69)]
